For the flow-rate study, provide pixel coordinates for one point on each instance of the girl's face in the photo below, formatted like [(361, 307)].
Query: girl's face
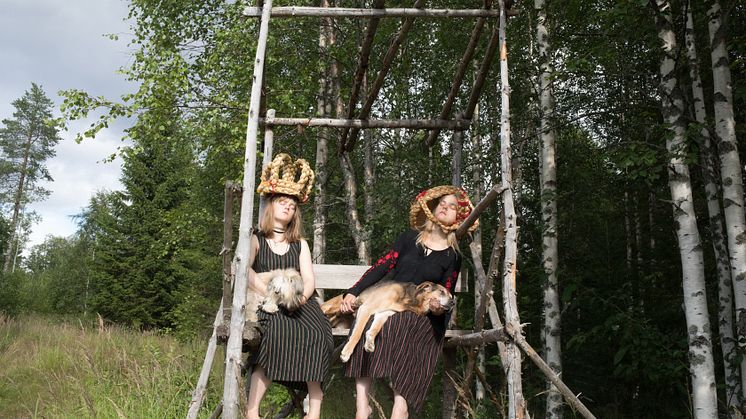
[(284, 209), (447, 209)]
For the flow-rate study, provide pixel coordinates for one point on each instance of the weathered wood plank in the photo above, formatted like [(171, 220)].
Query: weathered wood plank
[(449, 124), (342, 277), (295, 11)]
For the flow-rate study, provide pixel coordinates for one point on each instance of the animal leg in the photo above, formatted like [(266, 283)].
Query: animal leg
[(378, 320), (269, 306), (363, 315)]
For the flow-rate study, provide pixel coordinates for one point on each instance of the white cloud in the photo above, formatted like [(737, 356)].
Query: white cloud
[(61, 45)]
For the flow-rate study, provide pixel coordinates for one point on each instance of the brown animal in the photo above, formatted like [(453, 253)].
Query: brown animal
[(284, 289), (382, 301)]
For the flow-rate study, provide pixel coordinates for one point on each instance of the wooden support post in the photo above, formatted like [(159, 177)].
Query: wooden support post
[(517, 408), (199, 392), (227, 253), (243, 249), (517, 337), (269, 138), (348, 142)]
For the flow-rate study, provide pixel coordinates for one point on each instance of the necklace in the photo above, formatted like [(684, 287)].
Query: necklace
[(278, 230)]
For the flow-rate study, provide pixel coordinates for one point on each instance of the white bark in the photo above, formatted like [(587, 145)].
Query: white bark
[(517, 407), (709, 176), (730, 172), (235, 340), (701, 364), (550, 255), (322, 147)]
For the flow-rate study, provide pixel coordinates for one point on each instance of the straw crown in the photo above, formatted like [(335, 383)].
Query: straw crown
[(283, 176)]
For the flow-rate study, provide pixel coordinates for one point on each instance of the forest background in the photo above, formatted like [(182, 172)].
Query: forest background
[(147, 256)]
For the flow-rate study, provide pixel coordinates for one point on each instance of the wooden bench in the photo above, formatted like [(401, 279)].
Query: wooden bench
[(342, 277)]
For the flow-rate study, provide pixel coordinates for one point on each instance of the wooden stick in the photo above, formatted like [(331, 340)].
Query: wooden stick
[(199, 392), (362, 68), (478, 338), (269, 137), (297, 11), (573, 400), (496, 191), (235, 339), (484, 70), (227, 250), (349, 142), (458, 77), (369, 123)]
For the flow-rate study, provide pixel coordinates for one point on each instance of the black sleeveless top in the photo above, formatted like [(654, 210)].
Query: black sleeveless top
[(267, 260)]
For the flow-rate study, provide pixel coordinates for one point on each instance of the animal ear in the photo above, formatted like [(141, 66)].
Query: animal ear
[(423, 286)]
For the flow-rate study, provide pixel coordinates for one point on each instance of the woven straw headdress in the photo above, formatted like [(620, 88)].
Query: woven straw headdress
[(425, 202), (283, 176)]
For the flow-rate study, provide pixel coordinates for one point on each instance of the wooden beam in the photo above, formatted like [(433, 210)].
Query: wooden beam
[(481, 206), (484, 69), (294, 11), (199, 392), (478, 338), (459, 76), (347, 143), (369, 123), (362, 67)]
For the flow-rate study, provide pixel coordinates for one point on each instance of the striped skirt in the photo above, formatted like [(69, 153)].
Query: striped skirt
[(407, 350), (295, 348)]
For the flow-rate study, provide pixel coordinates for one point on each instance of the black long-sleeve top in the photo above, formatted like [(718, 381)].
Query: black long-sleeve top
[(409, 263)]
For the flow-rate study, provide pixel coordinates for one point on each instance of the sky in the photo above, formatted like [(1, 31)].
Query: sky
[(62, 45)]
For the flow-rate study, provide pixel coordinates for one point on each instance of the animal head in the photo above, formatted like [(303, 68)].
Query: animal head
[(427, 291), (287, 287)]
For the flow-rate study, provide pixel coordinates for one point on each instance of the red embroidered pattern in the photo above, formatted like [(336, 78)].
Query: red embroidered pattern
[(451, 282), (389, 258)]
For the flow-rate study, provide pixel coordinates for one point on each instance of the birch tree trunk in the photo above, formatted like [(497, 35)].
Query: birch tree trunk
[(368, 167), (517, 407), (730, 172), (322, 146), (701, 364), (725, 292), (550, 254), (353, 217)]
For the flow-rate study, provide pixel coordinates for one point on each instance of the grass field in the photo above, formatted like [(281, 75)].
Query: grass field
[(69, 368)]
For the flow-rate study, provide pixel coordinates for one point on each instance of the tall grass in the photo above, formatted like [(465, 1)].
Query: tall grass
[(53, 368), (70, 368)]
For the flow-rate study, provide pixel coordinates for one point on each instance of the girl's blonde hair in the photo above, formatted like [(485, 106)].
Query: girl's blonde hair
[(294, 229), (426, 229)]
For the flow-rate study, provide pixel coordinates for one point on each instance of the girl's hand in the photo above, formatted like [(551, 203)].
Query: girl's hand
[(348, 304)]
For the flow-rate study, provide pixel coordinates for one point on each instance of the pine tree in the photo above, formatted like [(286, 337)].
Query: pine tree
[(26, 141)]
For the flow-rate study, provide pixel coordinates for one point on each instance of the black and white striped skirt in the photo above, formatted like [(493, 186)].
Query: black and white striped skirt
[(407, 350), (295, 348)]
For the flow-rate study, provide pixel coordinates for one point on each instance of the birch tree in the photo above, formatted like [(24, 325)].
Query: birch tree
[(701, 366), (730, 170), (550, 255), (27, 141), (712, 193)]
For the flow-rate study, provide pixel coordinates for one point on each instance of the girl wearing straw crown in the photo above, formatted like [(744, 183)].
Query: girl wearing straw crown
[(295, 348), (408, 346)]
